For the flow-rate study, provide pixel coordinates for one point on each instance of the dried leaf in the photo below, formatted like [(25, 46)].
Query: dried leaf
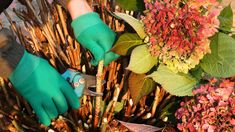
[(140, 127), (140, 86)]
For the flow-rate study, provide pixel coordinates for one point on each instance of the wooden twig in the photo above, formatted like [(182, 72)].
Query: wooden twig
[(2, 85), (69, 50), (33, 37), (60, 33), (115, 99), (32, 10), (158, 97), (77, 55), (98, 90), (110, 109), (14, 27), (18, 128), (63, 21), (128, 107)]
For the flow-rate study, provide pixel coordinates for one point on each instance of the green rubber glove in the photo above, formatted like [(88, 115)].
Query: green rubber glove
[(96, 36), (43, 87)]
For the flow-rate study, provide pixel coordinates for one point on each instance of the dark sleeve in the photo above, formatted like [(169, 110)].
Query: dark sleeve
[(10, 52), (4, 4)]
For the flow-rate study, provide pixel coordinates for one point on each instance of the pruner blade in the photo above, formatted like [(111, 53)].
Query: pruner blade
[(82, 82), (91, 83)]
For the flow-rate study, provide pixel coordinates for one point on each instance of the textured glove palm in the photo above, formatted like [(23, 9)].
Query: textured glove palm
[(96, 36), (43, 87)]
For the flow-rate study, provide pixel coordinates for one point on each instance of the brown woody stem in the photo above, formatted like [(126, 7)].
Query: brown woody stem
[(98, 90)]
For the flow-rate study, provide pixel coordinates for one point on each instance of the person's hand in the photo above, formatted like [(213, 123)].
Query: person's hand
[(76, 80), (95, 35), (81, 82), (92, 32), (43, 87)]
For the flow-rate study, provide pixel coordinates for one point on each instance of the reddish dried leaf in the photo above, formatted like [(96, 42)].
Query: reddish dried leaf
[(140, 127)]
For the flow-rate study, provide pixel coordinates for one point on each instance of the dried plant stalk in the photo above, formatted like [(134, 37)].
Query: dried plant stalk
[(59, 8), (98, 90), (159, 93), (115, 99)]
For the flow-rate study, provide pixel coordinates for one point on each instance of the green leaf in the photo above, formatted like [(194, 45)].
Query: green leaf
[(141, 60), (102, 107), (219, 1), (119, 106), (135, 23), (197, 72), (233, 36), (131, 5), (178, 84), (168, 110), (126, 42), (165, 112), (221, 61), (140, 86), (226, 18)]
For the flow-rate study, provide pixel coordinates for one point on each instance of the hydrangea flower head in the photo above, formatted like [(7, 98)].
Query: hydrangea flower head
[(179, 30), (211, 109)]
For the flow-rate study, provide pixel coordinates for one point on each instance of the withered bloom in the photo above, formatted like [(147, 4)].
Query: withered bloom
[(179, 30)]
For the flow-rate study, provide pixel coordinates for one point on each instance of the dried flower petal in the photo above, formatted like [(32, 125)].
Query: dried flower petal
[(211, 109)]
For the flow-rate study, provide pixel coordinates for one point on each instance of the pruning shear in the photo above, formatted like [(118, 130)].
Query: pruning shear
[(81, 82)]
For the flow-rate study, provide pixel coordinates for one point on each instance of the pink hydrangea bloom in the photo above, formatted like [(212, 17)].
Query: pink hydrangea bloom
[(178, 30), (212, 108)]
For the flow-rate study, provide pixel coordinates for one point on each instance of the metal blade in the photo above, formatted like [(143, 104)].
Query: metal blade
[(81, 82), (91, 80), (87, 91), (91, 83)]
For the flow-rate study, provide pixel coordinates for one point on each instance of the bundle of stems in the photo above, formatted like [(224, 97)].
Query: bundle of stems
[(46, 32)]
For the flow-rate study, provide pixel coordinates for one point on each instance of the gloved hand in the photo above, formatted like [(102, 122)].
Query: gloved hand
[(43, 87), (76, 80), (81, 82), (96, 36)]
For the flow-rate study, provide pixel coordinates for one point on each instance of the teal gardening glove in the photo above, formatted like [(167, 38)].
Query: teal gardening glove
[(96, 36), (43, 87)]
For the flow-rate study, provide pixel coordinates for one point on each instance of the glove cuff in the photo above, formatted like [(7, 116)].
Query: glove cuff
[(85, 21), (24, 69)]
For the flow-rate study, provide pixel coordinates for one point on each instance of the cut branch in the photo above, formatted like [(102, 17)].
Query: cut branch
[(98, 90)]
